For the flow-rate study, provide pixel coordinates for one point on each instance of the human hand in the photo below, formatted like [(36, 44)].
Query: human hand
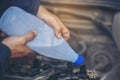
[(54, 21), (17, 44)]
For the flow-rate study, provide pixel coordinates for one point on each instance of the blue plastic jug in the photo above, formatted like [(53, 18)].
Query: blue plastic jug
[(16, 21)]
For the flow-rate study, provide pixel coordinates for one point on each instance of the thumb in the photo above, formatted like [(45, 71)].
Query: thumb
[(58, 34), (30, 35)]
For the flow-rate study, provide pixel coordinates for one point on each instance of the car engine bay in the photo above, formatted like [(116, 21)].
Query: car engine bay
[(90, 24)]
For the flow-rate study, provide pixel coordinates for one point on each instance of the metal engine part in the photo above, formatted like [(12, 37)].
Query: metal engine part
[(50, 70)]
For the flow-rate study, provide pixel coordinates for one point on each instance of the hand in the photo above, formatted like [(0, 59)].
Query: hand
[(54, 21), (17, 44)]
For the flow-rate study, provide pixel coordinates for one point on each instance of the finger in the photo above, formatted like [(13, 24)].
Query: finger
[(65, 32), (58, 33), (24, 50), (60, 22), (57, 27), (29, 36), (66, 36), (27, 51)]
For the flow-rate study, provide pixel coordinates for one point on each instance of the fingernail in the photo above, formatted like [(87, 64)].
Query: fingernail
[(59, 35)]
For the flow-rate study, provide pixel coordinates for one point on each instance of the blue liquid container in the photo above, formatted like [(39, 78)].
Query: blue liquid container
[(16, 21)]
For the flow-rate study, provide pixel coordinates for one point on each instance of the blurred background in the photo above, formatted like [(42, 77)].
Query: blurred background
[(90, 23)]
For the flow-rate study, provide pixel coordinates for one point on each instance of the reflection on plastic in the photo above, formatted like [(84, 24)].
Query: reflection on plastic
[(15, 21)]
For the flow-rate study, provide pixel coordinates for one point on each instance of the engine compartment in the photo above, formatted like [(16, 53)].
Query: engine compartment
[(91, 36)]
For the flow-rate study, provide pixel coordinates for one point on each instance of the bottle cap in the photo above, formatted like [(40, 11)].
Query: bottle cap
[(79, 60)]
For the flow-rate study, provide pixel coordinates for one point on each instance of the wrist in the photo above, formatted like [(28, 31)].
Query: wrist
[(39, 13), (43, 13)]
